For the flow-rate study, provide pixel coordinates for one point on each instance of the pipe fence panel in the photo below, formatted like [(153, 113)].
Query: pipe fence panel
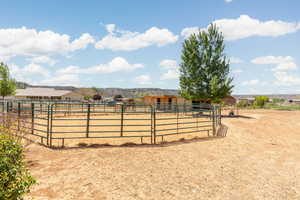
[(60, 121)]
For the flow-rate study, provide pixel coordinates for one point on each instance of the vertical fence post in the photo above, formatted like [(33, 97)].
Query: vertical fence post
[(32, 118), (7, 107), (48, 123), (213, 120), (177, 118), (51, 124), (151, 124), (122, 119), (19, 115), (88, 120), (220, 117), (154, 125)]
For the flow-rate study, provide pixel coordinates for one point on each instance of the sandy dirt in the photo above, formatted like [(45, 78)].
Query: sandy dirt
[(136, 128), (259, 159)]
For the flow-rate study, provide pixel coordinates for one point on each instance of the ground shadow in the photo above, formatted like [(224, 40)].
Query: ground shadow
[(222, 132), (237, 116)]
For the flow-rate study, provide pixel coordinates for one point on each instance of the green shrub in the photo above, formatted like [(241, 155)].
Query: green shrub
[(277, 100), (15, 179), (87, 98), (260, 101), (243, 103)]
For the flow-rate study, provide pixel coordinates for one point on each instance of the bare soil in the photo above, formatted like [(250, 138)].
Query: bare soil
[(259, 159)]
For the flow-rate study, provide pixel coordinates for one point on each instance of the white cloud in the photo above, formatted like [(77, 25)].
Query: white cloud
[(228, 1), (110, 28), (283, 63), (4, 58), (128, 41), (18, 73), (118, 64), (186, 32), (64, 79), (285, 67), (237, 71), (143, 80), (169, 64), (30, 42), (170, 74), (286, 79), (82, 42), (245, 26), (36, 69), (172, 68), (28, 72), (43, 59), (235, 60), (250, 83), (272, 59), (69, 70)]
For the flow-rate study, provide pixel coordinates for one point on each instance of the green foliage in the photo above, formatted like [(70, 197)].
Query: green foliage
[(204, 70), (15, 179), (243, 103), (87, 97), (287, 107), (261, 101), (277, 100), (7, 84)]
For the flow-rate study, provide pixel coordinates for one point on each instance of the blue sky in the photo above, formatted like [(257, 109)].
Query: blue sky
[(137, 43)]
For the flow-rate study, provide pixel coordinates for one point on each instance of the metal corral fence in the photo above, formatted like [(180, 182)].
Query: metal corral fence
[(60, 121)]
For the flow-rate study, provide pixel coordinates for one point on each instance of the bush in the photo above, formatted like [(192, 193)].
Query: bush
[(260, 101), (277, 100), (87, 98), (243, 103), (15, 179)]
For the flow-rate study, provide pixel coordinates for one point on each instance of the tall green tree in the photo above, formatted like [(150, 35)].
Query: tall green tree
[(7, 84), (204, 69)]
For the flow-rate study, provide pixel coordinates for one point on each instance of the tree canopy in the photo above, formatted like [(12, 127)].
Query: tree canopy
[(204, 68), (7, 84)]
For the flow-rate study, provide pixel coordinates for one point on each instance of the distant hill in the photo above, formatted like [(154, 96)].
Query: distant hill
[(22, 85), (139, 92), (129, 93)]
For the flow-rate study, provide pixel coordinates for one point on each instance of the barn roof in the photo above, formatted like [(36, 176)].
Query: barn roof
[(41, 92)]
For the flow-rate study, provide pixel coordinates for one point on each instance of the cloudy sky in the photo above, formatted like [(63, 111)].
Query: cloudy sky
[(137, 43)]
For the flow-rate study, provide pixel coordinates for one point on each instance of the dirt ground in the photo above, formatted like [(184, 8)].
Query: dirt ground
[(136, 128), (259, 159)]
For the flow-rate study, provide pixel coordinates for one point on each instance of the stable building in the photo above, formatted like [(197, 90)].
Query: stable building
[(164, 99), (165, 102), (47, 94), (230, 100)]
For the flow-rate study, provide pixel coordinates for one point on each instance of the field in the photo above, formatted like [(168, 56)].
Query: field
[(259, 159)]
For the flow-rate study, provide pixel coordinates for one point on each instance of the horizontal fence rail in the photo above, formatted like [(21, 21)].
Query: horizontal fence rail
[(61, 121)]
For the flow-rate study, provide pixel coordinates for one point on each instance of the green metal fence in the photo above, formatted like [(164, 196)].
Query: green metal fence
[(61, 121)]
